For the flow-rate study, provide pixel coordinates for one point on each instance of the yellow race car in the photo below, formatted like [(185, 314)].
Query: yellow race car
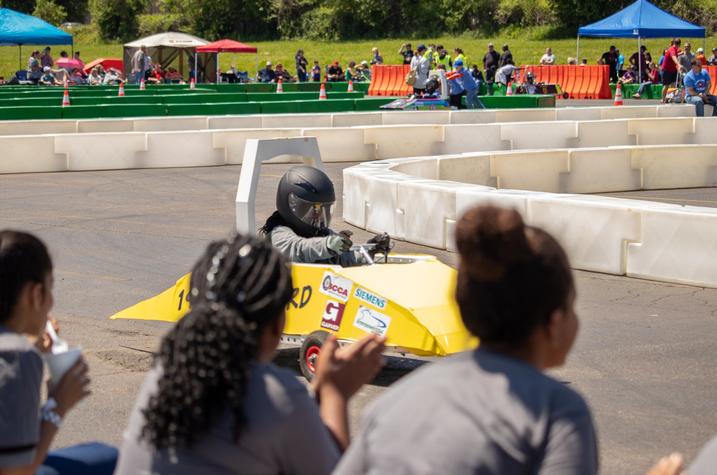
[(408, 299)]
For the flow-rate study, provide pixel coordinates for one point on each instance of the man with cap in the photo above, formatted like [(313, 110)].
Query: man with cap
[(712, 60), (267, 74), (506, 57), (420, 65), (700, 56), (299, 227)]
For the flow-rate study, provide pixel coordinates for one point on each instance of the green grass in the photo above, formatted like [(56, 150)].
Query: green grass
[(527, 49)]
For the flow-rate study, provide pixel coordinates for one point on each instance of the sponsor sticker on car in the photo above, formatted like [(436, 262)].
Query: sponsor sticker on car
[(367, 297), (333, 314), (371, 321), (336, 286)]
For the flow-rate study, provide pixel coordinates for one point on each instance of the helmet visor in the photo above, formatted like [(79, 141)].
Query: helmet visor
[(315, 214)]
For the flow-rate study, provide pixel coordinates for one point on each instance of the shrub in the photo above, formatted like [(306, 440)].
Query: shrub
[(116, 19), (159, 23), (50, 11)]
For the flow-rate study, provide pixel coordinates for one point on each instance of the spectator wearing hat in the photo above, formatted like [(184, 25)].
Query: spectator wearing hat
[(48, 79), (334, 73), (267, 74), (364, 71), (46, 58), (506, 57), (700, 56), (281, 73), (420, 66)]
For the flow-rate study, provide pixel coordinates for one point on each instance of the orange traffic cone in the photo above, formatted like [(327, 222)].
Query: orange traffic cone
[(351, 86), (279, 86), (66, 98), (120, 93), (509, 89), (322, 91), (142, 86), (192, 84), (618, 94)]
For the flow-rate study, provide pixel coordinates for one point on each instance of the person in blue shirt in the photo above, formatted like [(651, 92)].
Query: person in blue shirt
[(697, 89), (461, 82)]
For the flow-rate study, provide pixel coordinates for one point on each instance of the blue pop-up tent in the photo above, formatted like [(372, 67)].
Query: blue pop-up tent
[(17, 29), (640, 20)]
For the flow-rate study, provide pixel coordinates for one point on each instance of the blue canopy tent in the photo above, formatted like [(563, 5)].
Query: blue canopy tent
[(17, 29), (640, 20)]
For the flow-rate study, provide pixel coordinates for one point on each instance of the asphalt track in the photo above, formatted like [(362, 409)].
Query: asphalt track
[(644, 358)]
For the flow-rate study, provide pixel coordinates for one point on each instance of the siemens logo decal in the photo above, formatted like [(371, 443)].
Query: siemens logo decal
[(366, 296)]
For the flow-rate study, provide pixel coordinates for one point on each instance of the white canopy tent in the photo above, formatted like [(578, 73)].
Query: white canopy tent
[(172, 47)]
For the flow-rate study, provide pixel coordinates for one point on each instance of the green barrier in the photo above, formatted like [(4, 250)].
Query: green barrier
[(113, 110), (372, 103), (30, 113), (325, 105), (279, 107), (517, 101), (214, 109), (653, 91)]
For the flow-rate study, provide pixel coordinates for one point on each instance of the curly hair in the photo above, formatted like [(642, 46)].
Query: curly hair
[(239, 286)]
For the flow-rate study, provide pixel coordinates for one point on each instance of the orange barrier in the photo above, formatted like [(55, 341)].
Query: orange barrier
[(389, 80), (579, 82), (712, 70)]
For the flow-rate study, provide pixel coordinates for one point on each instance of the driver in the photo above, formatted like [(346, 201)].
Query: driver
[(300, 226)]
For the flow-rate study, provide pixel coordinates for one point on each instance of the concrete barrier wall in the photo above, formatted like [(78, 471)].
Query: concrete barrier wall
[(24, 127), (413, 200), (155, 147)]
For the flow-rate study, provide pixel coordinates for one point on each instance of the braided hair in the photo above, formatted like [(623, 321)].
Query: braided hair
[(239, 286)]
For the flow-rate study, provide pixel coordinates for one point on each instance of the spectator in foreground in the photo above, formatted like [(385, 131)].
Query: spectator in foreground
[(420, 67), (498, 410), (548, 59), (376, 57), (26, 298), (214, 403), (316, 72), (266, 74), (334, 73), (697, 90), (406, 52), (302, 66), (46, 58), (670, 66), (685, 59)]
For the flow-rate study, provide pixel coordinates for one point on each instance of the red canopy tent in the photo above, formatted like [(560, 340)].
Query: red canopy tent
[(227, 46)]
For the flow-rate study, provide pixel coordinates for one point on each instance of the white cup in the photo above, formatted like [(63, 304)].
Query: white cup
[(60, 363)]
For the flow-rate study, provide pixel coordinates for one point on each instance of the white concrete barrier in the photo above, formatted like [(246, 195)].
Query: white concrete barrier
[(102, 151), (233, 142), (180, 149), (30, 153)]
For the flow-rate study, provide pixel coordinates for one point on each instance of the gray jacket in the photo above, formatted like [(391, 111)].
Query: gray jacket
[(311, 250)]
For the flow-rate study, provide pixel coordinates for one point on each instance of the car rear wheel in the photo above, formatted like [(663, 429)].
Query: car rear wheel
[(309, 354)]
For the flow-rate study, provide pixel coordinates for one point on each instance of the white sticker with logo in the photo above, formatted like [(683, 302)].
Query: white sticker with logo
[(372, 321), (333, 314), (373, 299), (336, 286)]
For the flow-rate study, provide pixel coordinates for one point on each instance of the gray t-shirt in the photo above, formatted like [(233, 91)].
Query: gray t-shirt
[(476, 413), (21, 369), (706, 460), (284, 435)]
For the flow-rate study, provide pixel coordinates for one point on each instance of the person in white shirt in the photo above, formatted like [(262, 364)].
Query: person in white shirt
[(505, 74), (548, 59), (421, 65)]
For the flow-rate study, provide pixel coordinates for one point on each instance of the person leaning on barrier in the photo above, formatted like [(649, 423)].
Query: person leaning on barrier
[(697, 89), (299, 228)]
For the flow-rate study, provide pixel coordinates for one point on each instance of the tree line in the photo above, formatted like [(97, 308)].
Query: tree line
[(339, 19)]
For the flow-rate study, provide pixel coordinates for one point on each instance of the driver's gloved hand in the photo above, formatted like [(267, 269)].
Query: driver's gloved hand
[(382, 242), (338, 243)]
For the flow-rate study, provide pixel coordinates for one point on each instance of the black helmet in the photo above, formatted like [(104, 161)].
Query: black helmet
[(305, 199), (530, 76)]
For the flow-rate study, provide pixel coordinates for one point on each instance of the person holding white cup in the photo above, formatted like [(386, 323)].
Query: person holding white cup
[(26, 281)]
